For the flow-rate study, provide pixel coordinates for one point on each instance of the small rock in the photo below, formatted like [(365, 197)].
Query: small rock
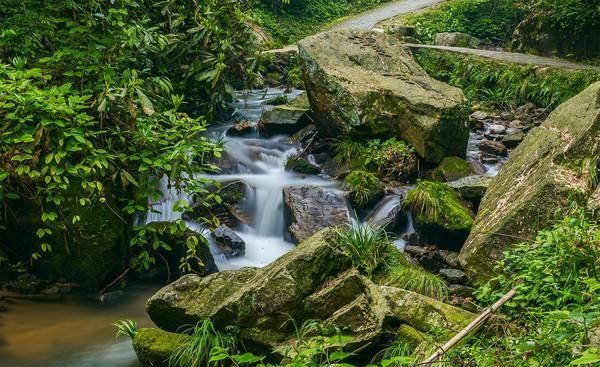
[(229, 242), (493, 147), (460, 290), (516, 124), (26, 285), (506, 115), (111, 297), (448, 257), (416, 251), (402, 30), (512, 140), (454, 275), (456, 39), (496, 129), (486, 159), (301, 165), (413, 239), (479, 115), (242, 128)]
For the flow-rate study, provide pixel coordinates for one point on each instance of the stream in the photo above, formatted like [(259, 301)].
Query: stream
[(78, 330)]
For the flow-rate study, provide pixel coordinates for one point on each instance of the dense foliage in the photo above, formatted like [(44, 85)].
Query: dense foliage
[(505, 85), (100, 99), (290, 21), (491, 20)]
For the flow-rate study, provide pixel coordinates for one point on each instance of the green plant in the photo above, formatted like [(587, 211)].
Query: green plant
[(278, 100), (392, 158), (368, 247), (418, 280), (364, 187), (438, 203), (126, 328), (505, 85), (195, 351)]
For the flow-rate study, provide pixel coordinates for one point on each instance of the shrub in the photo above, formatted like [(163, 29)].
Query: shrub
[(505, 85), (417, 280), (364, 187), (368, 247), (392, 159), (195, 351)]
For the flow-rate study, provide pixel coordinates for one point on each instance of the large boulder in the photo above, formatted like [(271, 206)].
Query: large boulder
[(311, 208), (552, 168), (154, 347), (315, 281), (364, 83)]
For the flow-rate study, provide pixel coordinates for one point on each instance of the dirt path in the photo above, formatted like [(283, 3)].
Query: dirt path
[(513, 57), (370, 18)]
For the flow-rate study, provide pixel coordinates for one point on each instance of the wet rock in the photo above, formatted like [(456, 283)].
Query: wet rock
[(496, 129), (229, 211), (229, 242), (388, 212), (454, 275), (60, 288), (456, 39), (363, 83), (490, 159), (111, 297), (303, 135), (449, 258), (287, 118), (301, 165), (478, 119), (460, 290), (493, 147), (543, 175), (414, 239), (511, 141), (311, 208), (243, 127), (472, 188), (451, 169), (26, 284), (416, 251)]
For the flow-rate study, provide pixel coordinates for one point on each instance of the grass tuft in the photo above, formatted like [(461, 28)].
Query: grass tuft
[(126, 328), (418, 280), (195, 351), (369, 247)]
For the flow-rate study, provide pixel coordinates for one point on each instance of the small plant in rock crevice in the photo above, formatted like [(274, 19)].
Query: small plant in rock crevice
[(418, 280), (126, 328), (364, 187)]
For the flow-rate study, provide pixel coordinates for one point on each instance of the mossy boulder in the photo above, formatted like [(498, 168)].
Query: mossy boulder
[(440, 214), (548, 172), (301, 165), (363, 83), (472, 188), (451, 169), (287, 118), (154, 347)]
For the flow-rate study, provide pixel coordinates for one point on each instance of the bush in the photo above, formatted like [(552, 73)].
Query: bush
[(369, 247), (93, 108), (493, 20), (391, 159), (505, 85), (364, 187), (556, 304)]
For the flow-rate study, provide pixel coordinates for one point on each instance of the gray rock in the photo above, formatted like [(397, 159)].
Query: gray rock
[(472, 188), (363, 83), (311, 208), (229, 242), (454, 275), (287, 118), (492, 147), (402, 30), (511, 141), (456, 39), (416, 251), (242, 128), (460, 290)]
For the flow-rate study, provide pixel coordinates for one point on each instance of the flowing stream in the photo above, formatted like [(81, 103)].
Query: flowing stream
[(78, 331)]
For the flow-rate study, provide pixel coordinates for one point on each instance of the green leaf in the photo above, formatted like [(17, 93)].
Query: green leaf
[(590, 356), (147, 106)]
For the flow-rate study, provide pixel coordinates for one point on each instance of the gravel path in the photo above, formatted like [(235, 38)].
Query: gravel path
[(513, 57), (370, 18)]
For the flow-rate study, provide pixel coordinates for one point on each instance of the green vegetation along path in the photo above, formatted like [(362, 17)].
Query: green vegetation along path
[(369, 19)]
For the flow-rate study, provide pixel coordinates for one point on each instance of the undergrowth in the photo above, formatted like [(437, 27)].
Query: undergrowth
[(368, 247), (364, 187), (505, 85), (417, 280), (195, 351)]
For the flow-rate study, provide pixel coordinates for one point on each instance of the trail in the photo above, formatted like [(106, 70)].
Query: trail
[(369, 19)]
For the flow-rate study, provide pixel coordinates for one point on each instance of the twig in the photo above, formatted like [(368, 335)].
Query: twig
[(478, 321), (117, 279)]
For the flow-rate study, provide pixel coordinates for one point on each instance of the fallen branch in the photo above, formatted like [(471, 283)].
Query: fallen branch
[(111, 284), (478, 321)]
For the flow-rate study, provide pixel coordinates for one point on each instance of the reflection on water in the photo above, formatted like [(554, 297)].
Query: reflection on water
[(72, 332)]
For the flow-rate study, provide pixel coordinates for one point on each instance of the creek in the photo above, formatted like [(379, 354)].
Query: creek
[(78, 331)]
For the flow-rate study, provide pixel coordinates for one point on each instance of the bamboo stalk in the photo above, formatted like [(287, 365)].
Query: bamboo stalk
[(478, 321)]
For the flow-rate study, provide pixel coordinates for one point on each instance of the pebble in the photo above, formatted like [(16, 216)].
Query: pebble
[(454, 276)]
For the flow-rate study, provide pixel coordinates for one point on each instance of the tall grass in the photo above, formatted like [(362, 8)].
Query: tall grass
[(364, 187), (369, 247), (418, 280), (126, 328), (195, 351)]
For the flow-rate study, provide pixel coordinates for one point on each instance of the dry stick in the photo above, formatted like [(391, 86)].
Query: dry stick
[(473, 325), (125, 272)]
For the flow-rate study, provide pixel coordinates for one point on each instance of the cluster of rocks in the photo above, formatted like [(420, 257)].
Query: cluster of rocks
[(500, 133), (315, 281)]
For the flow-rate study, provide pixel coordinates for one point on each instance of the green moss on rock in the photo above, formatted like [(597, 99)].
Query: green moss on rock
[(451, 168), (154, 347), (543, 177)]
